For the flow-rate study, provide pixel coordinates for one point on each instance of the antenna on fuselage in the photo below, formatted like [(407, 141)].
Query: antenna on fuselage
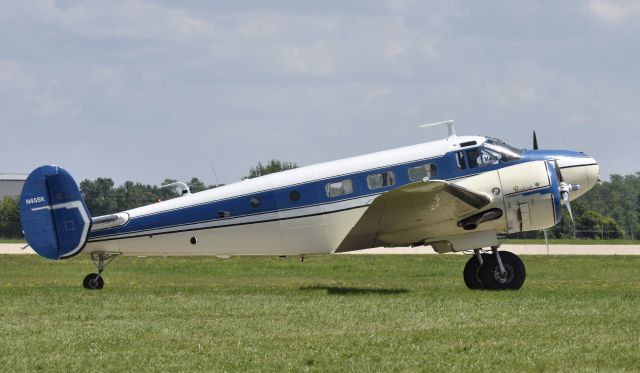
[(181, 187), (450, 125)]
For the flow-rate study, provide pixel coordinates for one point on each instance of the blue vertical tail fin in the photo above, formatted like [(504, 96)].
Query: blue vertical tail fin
[(54, 217)]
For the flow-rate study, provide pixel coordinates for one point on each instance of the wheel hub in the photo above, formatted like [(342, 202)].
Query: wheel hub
[(506, 277)]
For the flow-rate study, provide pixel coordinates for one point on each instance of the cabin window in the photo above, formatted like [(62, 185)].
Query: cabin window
[(255, 202), (381, 180), (339, 188), (294, 196), (460, 160), (420, 173)]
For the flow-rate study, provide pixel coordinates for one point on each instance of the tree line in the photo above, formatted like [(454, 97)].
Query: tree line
[(103, 197), (611, 210)]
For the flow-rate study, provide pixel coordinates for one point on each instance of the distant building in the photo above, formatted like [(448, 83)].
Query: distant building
[(11, 184)]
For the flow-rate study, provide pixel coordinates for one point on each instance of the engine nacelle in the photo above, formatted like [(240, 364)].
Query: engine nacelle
[(533, 201)]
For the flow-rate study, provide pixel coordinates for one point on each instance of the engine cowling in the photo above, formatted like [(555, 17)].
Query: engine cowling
[(531, 196)]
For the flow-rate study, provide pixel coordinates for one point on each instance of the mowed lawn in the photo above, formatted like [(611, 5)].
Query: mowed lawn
[(330, 313)]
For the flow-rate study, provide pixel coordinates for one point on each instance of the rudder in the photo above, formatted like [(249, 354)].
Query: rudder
[(54, 217)]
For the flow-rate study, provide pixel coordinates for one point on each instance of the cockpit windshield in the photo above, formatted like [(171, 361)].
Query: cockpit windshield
[(493, 151), (511, 152)]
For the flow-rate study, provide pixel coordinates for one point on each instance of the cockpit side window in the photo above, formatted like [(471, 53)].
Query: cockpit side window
[(492, 152), (460, 161), (474, 157)]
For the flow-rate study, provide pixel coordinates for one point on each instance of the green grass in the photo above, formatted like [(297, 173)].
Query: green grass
[(12, 240), (330, 313)]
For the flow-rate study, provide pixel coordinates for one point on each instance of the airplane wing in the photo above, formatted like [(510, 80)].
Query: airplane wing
[(414, 210)]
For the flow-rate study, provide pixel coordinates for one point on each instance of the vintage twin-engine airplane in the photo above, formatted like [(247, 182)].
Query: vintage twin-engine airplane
[(457, 194)]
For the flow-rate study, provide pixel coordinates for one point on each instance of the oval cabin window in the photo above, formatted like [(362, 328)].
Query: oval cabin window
[(254, 202), (294, 196)]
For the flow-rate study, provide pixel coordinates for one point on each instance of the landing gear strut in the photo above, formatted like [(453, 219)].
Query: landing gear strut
[(495, 271), (94, 281)]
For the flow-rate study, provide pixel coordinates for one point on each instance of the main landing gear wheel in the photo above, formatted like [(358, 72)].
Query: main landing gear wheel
[(502, 271), (472, 271), (93, 281)]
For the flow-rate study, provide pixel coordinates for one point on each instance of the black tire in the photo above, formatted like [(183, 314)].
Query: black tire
[(472, 273), (490, 272), (93, 281)]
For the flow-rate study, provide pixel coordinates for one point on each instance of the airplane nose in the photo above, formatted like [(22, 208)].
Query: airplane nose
[(581, 170), (593, 174)]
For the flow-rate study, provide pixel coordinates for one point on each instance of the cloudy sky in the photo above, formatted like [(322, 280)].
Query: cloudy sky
[(145, 90)]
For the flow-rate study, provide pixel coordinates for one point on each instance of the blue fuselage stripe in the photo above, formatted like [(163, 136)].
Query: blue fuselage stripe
[(277, 200)]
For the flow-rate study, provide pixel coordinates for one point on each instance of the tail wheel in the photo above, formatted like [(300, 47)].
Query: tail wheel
[(472, 273), (93, 281), (513, 276)]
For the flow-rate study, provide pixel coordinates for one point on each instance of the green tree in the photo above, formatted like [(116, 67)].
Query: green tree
[(99, 195), (596, 226), (131, 195), (196, 185), (618, 198), (10, 209), (10, 218), (271, 167)]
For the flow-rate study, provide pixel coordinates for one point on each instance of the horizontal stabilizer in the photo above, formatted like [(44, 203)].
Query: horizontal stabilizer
[(55, 220)]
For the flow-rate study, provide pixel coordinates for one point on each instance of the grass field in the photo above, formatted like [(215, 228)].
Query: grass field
[(330, 313), (12, 240)]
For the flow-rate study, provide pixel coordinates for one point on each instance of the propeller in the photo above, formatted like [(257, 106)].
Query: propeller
[(565, 188), (564, 192), (535, 141)]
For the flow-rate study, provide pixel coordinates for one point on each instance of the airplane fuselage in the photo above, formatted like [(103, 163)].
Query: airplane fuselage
[(325, 208)]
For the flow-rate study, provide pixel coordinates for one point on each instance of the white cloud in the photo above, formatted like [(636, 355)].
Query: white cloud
[(215, 74), (133, 19), (14, 77), (309, 59), (50, 106), (109, 79), (614, 12)]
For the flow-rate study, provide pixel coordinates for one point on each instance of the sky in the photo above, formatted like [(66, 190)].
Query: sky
[(148, 90)]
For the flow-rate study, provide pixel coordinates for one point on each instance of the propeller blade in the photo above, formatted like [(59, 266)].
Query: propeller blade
[(558, 172), (567, 202), (535, 141)]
